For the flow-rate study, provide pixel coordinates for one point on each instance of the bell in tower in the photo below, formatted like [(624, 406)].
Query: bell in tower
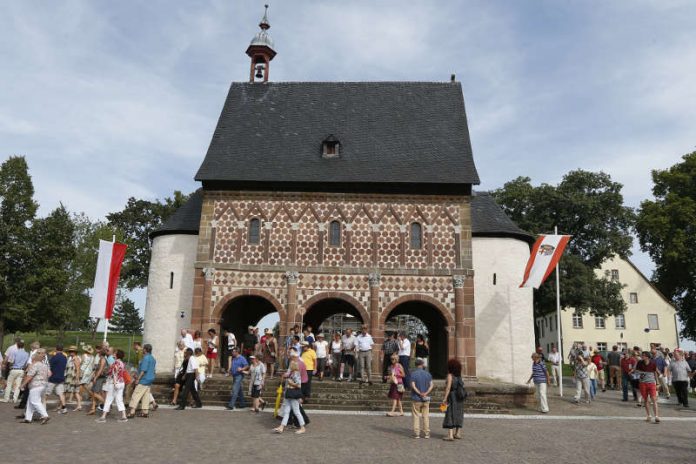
[(261, 52)]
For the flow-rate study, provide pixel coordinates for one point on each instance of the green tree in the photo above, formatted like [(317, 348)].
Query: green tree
[(126, 318), (52, 252), (135, 222), (588, 206), (666, 229), (17, 210)]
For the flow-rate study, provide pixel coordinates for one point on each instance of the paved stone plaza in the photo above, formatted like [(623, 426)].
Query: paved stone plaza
[(611, 432)]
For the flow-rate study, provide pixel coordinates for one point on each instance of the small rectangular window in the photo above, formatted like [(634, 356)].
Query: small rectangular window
[(577, 321), (620, 320), (622, 346), (171, 280), (653, 323), (633, 298), (615, 275), (599, 323), (601, 346)]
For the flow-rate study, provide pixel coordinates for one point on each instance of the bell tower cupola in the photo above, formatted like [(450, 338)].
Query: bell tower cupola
[(261, 52)]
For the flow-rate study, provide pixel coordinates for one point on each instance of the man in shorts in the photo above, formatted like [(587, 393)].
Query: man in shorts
[(647, 371), (348, 357), (56, 381)]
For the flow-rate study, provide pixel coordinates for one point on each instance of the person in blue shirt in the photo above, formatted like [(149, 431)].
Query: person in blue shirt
[(421, 386), (146, 375), (56, 381), (238, 368)]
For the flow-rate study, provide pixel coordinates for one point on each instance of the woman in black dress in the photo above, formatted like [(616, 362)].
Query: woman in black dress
[(454, 399)]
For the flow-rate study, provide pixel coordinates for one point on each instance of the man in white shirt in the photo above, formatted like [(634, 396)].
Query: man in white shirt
[(187, 339), (404, 354), (555, 359), (189, 381), (321, 347), (364, 343), (348, 357)]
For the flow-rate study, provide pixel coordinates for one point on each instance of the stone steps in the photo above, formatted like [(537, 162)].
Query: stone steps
[(352, 396)]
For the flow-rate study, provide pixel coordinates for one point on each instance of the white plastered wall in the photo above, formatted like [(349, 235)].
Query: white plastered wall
[(504, 312), (165, 302)]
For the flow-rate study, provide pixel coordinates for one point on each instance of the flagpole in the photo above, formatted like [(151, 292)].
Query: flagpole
[(106, 321), (558, 323)]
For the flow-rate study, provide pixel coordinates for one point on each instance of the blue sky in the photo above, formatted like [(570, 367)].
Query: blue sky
[(115, 99)]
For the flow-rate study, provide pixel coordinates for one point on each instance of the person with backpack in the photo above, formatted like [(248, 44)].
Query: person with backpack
[(455, 394)]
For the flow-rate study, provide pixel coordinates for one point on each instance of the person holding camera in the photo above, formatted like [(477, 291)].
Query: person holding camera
[(582, 379)]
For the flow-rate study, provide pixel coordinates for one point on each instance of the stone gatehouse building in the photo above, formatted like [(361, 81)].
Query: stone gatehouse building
[(320, 198)]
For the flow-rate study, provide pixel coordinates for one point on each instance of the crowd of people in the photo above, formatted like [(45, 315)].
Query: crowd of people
[(98, 374), (303, 357), (646, 374)]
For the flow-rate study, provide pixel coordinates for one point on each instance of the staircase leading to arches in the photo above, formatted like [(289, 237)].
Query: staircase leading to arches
[(484, 398)]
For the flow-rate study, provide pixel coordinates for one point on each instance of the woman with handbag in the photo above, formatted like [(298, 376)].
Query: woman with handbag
[(292, 398), (455, 394), (396, 388), (116, 382), (257, 374), (178, 375)]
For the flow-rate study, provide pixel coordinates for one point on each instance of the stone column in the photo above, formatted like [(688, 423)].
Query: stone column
[(291, 277), (465, 323), (377, 333)]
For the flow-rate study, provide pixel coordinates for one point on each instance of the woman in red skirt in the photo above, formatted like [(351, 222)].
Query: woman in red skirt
[(212, 351), (396, 389)]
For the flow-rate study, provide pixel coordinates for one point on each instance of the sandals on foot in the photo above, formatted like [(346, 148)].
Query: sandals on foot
[(91, 412)]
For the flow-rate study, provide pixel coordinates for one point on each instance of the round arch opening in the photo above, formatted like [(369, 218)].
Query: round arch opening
[(244, 311), (331, 314), (414, 317)]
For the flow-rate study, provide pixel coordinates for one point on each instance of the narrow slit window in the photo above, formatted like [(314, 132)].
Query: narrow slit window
[(416, 236), (495, 279), (254, 231), (335, 234), (171, 280)]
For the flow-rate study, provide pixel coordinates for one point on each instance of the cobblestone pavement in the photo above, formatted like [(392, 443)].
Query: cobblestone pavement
[(213, 436)]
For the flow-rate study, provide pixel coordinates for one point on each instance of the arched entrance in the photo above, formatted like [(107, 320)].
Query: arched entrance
[(329, 311), (424, 314), (243, 308)]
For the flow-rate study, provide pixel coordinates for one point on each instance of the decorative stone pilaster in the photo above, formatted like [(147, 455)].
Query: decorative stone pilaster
[(374, 279), (464, 320), (291, 277), (201, 313)]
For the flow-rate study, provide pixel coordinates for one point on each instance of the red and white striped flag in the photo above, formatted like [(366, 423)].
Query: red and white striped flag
[(109, 262), (546, 252)]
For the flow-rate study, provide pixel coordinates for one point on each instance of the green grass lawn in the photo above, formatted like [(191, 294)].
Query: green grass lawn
[(49, 339)]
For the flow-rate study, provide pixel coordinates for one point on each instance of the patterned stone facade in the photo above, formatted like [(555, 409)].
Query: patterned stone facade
[(373, 265)]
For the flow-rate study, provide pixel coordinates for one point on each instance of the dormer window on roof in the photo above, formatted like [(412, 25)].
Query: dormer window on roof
[(330, 147)]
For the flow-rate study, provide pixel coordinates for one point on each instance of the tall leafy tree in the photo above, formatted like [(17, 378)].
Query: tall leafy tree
[(126, 318), (666, 229), (52, 252), (589, 206), (135, 222), (17, 210)]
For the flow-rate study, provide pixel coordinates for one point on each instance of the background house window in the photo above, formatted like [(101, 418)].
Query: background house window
[(633, 298), (600, 323), (601, 346), (620, 320), (335, 234), (171, 280), (577, 321), (622, 346), (254, 231), (653, 323), (615, 275), (416, 236)]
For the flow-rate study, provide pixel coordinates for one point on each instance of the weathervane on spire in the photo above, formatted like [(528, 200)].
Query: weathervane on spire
[(261, 51)]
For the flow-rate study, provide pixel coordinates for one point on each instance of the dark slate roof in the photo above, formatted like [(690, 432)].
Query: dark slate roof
[(389, 133), (186, 219), (489, 220)]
